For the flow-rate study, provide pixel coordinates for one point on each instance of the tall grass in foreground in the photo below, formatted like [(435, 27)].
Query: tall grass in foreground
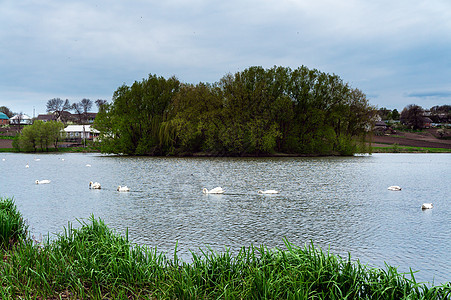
[(93, 262), (12, 225)]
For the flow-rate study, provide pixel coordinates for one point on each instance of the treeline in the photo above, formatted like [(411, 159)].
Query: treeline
[(254, 112), (60, 108), (437, 113)]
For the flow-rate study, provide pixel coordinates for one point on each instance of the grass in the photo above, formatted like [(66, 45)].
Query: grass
[(395, 148), (12, 226), (89, 149), (93, 262)]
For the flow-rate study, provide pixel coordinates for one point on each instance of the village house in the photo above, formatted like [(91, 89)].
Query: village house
[(46, 118), (21, 119), (77, 133), (67, 117), (4, 120)]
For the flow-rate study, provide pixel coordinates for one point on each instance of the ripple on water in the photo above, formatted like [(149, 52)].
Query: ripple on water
[(341, 203)]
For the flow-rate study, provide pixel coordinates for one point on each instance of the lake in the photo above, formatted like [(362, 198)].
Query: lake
[(338, 203)]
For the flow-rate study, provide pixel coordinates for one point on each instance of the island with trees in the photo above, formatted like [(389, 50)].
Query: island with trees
[(253, 112)]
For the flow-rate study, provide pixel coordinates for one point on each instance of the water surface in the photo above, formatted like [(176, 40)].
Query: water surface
[(341, 203)]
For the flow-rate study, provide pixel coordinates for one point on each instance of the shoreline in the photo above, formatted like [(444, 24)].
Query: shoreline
[(400, 142)]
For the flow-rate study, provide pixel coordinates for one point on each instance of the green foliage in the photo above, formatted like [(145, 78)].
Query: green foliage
[(131, 124), (256, 111), (12, 226), (39, 136), (93, 262)]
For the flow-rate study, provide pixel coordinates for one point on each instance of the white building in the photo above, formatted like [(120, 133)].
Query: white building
[(22, 119), (81, 132)]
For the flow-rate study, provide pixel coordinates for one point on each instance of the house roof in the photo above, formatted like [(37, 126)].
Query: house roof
[(46, 117), (22, 117), (3, 116), (80, 128)]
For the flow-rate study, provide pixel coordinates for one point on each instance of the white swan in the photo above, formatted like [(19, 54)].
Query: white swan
[(216, 190), (88, 165), (394, 188), (42, 181), (426, 206), (27, 166), (94, 185), (123, 189), (268, 192)]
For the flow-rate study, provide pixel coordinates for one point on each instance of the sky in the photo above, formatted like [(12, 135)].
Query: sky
[(398, 52)]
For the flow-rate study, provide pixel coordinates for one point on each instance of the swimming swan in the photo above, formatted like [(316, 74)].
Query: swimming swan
[(42, 181), (394, 188), (94, 185), (216, 190), (426, 206), (268, 192), (123, 189)]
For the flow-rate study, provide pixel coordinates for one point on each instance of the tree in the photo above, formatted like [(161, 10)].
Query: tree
[(58, 106), (412, 115), (6, 111), (385, 114), (86, 105), (441, 114), (395, 114), (81, 109), (40, 136), (100, 103), (78, 110), (131, 124)]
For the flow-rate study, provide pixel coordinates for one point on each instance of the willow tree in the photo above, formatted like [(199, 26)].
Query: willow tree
[(131, 123), (193, 119)]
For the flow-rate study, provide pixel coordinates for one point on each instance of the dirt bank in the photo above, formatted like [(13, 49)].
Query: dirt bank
[(428, 138), (6, 143)]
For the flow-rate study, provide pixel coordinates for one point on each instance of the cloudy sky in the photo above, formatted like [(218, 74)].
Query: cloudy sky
[(398, 52)]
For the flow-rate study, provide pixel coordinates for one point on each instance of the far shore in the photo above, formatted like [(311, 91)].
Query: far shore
[(425, 141)]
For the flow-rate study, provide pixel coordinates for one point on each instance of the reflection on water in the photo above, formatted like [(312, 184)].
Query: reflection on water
[(341, 203)]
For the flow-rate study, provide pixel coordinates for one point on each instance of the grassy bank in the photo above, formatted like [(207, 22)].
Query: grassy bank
[(408, 149), (93, 262), (57, 150)]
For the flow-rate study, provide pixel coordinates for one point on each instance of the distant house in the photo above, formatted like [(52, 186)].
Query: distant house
[(381, 124), (80, 132), (4, 120), (67, 117), (46, 118), (21, 119), (427, 122), (90, 117)]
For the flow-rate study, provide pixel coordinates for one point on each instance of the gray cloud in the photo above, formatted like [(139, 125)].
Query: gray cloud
[(431, 94), (77, 49)]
